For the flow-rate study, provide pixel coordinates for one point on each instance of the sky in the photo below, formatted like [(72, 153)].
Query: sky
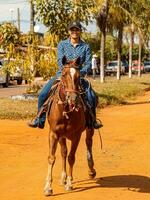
[(8, 12)]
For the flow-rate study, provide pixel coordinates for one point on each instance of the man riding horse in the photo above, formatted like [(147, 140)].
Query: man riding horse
[(71, 48)]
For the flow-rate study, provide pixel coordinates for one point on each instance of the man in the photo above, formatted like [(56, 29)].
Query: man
[(72, 48), (94, 65)]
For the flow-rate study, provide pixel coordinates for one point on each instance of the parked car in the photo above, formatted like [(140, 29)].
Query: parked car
[(146, 66), (111, 68), (4, 77), (135, 67), (17, 73)]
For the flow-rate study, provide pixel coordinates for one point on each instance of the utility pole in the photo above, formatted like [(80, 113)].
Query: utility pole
[(11, 10), (31, 17), (18, 18)]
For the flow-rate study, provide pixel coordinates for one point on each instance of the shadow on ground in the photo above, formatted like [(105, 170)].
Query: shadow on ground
[(134, 183)]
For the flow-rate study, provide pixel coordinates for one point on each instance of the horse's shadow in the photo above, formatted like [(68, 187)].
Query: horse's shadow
[(134, 183)]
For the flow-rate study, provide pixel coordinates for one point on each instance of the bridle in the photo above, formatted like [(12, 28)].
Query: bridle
[(76, 91), (69, 97), (63, 83)]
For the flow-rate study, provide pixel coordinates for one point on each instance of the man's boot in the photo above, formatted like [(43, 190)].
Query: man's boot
[(36, 123), (97, 124)]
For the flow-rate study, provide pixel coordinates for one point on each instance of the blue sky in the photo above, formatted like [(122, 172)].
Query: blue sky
[(8, 12)]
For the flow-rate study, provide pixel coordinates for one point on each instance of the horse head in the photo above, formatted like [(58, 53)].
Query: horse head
[(70, 80)]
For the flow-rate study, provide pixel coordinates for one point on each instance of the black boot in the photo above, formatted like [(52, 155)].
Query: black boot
[(97, 124), (36, 123)]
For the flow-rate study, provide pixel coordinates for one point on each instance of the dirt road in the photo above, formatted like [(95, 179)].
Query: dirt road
[(15, 89), (12, 90), (123, 166)]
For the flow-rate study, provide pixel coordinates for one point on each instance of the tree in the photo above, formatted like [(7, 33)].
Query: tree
[(101, 17), (9, 34), (138, 13), (115, 24), (93, 40), (117, 14), (57, 15)]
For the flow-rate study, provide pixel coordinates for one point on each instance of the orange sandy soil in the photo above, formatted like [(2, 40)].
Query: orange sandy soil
[(123, 166)]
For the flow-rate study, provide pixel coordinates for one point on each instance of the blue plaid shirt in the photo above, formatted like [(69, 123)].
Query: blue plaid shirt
[(82, 50)]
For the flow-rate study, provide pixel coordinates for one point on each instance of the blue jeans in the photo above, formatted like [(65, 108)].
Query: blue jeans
[(43, 95), (90, 95)]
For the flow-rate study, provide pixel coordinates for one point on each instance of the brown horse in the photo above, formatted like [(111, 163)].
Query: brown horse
[(67, 121)]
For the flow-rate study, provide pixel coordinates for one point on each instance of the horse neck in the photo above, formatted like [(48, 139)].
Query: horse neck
[(61, 91)]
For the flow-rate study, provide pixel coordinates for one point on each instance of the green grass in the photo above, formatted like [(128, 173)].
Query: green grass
[(112, 92)]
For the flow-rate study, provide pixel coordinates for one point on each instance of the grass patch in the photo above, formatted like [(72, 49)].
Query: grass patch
[(16, 109), (112, 92)]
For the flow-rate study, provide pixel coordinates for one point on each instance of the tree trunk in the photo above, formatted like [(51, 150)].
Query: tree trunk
[(140, 53), (102, 61), (102, 23), (130, 50), (119, 48)]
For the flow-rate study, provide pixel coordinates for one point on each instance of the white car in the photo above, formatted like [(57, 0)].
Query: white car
[(111, 68), (4, 77)]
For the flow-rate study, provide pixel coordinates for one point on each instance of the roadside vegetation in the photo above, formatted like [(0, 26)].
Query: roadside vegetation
[(119, 92), (17, 109), (112, 92)]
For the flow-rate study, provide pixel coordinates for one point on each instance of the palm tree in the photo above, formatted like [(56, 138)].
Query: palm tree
[(116, 22), (102, 24), (130, 48)]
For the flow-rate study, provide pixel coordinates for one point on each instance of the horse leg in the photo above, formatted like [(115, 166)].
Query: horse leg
[(53, 141), (89, 141), (71, 161), (63, 146)]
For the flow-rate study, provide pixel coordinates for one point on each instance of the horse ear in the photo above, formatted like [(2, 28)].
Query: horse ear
[(77, 62), (64, 60)]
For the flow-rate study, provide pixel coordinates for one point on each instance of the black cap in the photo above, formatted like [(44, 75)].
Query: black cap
[(75, 25)]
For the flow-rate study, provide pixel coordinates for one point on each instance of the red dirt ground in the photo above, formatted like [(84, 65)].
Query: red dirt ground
[(123, 166)]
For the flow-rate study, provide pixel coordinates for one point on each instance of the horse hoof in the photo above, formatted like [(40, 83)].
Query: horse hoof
[(48, 192), (92, 174), (68, 188)]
